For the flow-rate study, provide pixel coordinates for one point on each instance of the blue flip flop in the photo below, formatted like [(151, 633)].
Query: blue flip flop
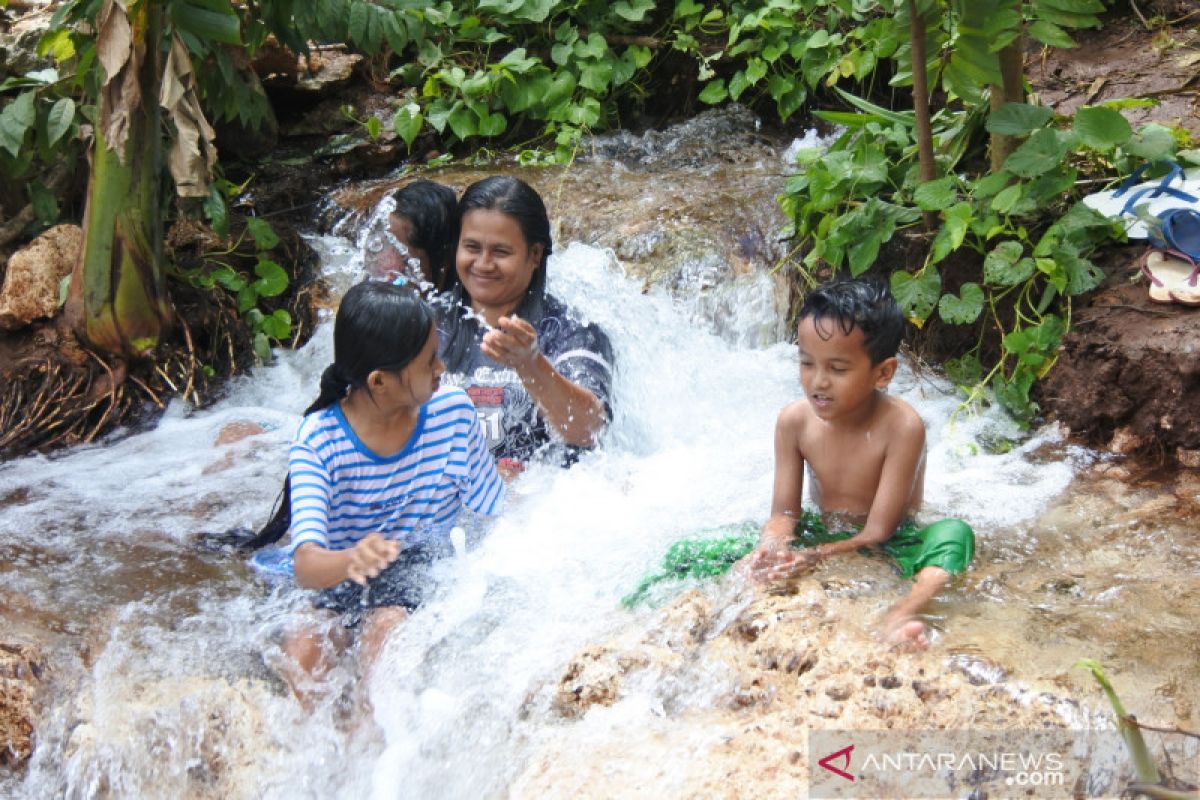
[(1179, 229), (1141, 223), (274, 563)]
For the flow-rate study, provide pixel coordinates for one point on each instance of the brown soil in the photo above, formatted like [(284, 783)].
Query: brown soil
[(1129, 370)]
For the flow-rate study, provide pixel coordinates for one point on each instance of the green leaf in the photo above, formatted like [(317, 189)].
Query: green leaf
[(1049, 33), (206, 24), (229, 278), (15, 121), (714, 92), (261, 231), (1018, 119), (1003, 266), (1102, 128), (633, 10), (272, 278), (965, 308), (45, 204), (1008, 199), (278, 326), (58, 44), (1041, 152), (917, 294), (1152, 142), (937, 195), (262, 347), (59, 120), (408, 122), (952, 233)]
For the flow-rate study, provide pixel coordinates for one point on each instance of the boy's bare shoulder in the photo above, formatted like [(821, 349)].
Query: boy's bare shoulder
[(794, 414), (901, 417)]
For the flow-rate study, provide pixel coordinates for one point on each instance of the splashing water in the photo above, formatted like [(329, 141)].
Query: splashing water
[(170, 657)]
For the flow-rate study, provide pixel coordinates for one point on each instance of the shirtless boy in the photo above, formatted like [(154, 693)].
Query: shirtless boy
[(865, 454)]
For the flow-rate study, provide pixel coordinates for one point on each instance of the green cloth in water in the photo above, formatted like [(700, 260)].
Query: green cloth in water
[(949, 544)]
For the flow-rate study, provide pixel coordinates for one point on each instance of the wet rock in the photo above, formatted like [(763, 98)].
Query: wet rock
[(208, 737), (22, 671), (32, 277)]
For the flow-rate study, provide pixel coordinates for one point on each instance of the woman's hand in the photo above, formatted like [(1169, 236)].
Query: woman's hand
[(513, 343), (370, 557)]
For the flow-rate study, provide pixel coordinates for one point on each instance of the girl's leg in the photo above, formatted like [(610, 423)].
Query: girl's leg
[(311, 649), (375, 629)]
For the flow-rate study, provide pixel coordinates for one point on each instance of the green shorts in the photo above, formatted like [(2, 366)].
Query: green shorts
[(949, 544)]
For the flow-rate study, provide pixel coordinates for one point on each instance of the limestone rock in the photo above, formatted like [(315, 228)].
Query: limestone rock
[(21, 671), (31, 280)]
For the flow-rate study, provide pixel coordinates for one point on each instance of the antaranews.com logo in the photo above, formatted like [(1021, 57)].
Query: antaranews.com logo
[(949, 763)]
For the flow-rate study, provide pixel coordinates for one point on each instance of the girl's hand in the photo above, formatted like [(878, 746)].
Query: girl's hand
[(513, 343), (370, 557)]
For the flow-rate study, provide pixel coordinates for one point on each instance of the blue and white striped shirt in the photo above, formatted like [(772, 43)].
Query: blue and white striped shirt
[(341, 491)]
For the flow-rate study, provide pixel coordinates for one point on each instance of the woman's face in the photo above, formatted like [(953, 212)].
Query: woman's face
[(494, 262)]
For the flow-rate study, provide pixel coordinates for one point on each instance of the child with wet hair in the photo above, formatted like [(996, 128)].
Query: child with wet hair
[(378, 472), (414, 237), (865, 454)]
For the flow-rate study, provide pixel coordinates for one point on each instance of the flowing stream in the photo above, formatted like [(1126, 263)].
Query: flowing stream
[(167, 657)]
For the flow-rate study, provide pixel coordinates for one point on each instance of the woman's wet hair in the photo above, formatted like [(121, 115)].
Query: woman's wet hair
[(517, 199), (433, 211), (863, 304), (378, 327)]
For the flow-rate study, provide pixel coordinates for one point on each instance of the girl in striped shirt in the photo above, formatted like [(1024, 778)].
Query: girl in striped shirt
[(379, 470)]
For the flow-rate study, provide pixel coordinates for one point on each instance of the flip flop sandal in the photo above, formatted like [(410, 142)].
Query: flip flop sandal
[(1112, 203), (1180, 230), (1174, 277), (1144, 210)]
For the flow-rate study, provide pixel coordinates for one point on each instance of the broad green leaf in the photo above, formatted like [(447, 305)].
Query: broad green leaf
[(278, 326), (247, 298), (45, 204), (1152, 142), (206, 24), (965, 308), (261, 231), (917, 294), (1049, 33), (57, 44), (1004, 266), (1042, 151), (492, 124), (714, 92), (262, 347), (937, 195), (952, 233), (272, 279), (1054, 272), (15, 121), (1102, 128), (1018, 119), (407, 123), (59, 120), (1007, 200), (633, 10)]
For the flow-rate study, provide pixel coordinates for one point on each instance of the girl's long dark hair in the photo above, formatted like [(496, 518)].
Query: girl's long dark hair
[(378, 327), (432, 209), (517, 199)]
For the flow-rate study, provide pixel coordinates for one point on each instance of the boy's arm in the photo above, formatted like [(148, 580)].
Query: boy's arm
[(903, 464), (787, 495)]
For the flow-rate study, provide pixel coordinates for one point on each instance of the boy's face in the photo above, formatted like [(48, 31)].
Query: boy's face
[(836, 373)]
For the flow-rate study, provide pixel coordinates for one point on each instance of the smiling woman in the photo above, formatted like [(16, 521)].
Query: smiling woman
[(538, 377)]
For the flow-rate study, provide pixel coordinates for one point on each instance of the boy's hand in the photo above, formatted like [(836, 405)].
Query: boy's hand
[(771, 563), (513, 342), (370, 557)]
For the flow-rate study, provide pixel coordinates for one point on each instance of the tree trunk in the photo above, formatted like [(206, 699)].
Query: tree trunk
[(916, 32), (1012, 72), (117, 301)]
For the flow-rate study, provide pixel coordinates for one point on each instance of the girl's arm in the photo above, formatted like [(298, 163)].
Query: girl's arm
[(575, 413), (319, 568)]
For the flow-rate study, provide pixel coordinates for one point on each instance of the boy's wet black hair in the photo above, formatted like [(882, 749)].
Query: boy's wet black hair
[(378, 327), (433, 211), (858, 303)]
